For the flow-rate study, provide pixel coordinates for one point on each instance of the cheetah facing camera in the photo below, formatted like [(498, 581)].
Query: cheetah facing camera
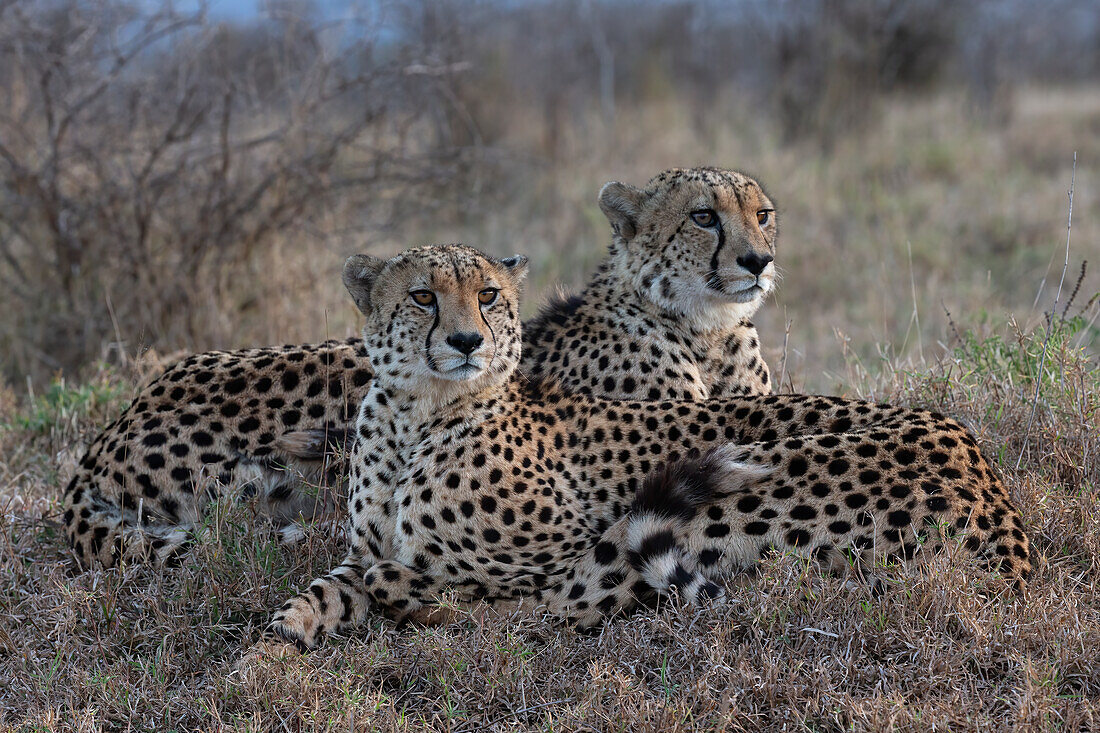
[(664, 317), (467, 478)]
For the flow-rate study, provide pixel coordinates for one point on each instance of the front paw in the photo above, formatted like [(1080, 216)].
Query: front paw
[(295, 623)]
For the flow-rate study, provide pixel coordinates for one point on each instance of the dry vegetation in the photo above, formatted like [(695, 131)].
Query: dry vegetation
[(937, 649), (922, 242)]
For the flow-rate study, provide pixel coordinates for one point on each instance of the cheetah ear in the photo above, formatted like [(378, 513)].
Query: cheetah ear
[(622, 204), (516, 265), (360, 272)]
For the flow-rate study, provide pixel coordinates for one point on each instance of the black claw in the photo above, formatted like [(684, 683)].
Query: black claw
[(277, 632)]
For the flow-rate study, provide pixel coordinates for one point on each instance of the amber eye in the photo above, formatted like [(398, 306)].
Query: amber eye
[(423, 297), (705, 217), (763, 217), (487, 296)]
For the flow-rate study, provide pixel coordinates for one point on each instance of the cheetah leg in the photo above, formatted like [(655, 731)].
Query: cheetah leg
[(637, 561), (101, 533), (334, 602), (403, 593), (849, 498), (340, 600), (601, 582)]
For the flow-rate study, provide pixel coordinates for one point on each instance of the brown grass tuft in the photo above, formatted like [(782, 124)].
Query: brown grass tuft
[(938, 647)]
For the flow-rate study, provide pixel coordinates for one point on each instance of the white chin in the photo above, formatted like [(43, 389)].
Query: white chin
[(747, 295), (718, 310), (462, 373)]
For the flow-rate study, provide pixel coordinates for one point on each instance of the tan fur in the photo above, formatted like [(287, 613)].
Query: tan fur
[(152, 474), (509, 492)]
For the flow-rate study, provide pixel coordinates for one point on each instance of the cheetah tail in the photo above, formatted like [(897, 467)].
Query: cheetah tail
[(670, 497)]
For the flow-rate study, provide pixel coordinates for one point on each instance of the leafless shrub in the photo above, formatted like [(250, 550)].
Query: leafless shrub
[(148, 158)]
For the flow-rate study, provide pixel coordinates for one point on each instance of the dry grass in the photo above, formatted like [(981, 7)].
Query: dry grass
[(982, 211), (931, 211), (938, 649)]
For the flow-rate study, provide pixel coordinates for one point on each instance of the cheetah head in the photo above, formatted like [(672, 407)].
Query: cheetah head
[(697, 242), (442, 319)]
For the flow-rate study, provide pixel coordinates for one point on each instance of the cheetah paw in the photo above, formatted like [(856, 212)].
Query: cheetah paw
[(292, 626)]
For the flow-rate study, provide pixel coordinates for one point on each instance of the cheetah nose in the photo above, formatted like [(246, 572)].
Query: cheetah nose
[(754, 263), (465, 343)]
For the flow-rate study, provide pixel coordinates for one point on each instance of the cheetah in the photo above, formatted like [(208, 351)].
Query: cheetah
[(666, 316), (467, 478), (207, 425)]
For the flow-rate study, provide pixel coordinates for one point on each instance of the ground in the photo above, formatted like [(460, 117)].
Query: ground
[(979, 211), (791, 650)]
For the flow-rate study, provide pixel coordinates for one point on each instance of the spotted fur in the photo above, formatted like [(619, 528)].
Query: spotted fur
[(467, 478), (647, 326)]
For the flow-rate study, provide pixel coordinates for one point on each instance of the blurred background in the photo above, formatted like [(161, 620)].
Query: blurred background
[(182, 176)]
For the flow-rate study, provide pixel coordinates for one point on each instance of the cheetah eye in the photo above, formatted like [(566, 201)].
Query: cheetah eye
[(764, 216), (705, 218), (423, 297), (487, 296)]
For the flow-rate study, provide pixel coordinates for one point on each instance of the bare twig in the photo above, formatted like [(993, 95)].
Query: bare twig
[(951, 323), (915, 319), (783, 363), (1076, 288), (1050, 320)]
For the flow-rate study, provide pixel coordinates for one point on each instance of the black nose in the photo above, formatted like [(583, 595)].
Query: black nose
[(754, 263), (465, 342)]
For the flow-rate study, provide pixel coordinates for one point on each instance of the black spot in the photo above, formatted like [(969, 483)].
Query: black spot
[(605, 553), (708, 557), (803, 512), (235, 386), (653, 545), (899, 518), (798, 538), (748, 504), (855, 501), (936, 503), (717, 530), (904, 456), (289, 379), (675, 489)]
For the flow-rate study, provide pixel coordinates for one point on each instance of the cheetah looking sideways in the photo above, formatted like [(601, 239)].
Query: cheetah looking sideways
[(466, 477), (664, 317)]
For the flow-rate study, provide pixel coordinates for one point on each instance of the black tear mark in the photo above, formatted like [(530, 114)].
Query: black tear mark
[(714, 281), (428, 339), (491, 333)]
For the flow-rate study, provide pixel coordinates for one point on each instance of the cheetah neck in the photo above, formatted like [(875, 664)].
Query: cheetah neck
[(429, 410), (611, 291)]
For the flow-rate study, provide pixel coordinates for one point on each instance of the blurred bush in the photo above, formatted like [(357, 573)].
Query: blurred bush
[(150, 160), (168, 179)]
